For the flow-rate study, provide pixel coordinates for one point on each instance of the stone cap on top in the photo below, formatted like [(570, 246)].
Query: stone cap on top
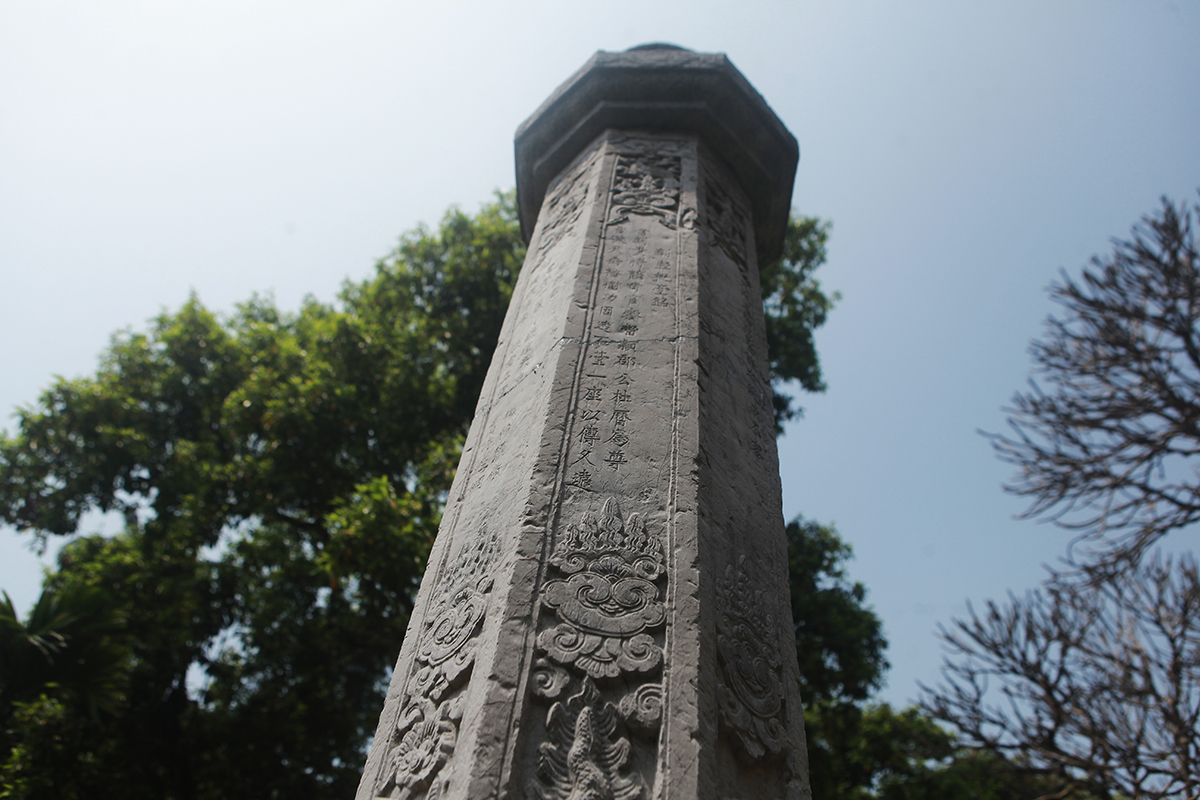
[(668, 89)]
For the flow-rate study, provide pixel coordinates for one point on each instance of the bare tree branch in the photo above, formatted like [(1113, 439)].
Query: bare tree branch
[(1104, 439), (1096, 683)]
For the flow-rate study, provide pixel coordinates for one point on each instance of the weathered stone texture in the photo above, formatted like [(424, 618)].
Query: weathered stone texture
[(605, 614)]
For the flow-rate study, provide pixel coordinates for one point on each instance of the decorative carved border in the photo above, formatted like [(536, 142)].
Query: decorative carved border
[(427, 727)]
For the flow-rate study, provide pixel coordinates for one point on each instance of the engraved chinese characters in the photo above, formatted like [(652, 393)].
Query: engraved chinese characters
[(629, 354)]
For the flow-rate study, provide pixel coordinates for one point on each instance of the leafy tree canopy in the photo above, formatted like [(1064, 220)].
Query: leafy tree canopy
[(872, 752), (795, 306), (839, 639)]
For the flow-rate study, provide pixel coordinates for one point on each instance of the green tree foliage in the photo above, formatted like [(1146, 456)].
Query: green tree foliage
[(50, 752), (796, 306), (859, 750), (69, 641), (852, 748), (839, 640), (873, 752), (63, 675), (281, 477)]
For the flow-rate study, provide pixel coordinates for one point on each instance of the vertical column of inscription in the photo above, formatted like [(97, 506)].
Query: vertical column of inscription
[(601, 629)]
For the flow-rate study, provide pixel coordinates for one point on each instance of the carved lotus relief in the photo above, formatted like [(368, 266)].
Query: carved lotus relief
[(608, 600)]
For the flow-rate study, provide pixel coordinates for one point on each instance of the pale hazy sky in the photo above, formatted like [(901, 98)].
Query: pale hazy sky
[(964, 151)]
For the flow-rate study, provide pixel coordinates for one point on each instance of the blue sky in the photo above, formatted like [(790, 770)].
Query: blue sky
[(965, 152)]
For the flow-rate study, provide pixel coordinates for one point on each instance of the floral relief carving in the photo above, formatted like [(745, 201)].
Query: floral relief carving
[(583, 757), (427, 727), (750, 691), (426, 741), (448, 648), (609, 600), (646, 185)]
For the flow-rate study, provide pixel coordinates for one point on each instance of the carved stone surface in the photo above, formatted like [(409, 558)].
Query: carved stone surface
[(608, 599), (750, 689), (584, 758), (603, 615), (424, 736)]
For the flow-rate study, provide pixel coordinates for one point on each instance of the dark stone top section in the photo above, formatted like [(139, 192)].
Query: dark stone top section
[(671, 90)]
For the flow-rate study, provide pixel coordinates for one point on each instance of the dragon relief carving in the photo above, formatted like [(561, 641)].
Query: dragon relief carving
[(427, 727), (609, 600), (584, 758), (646, 185), (750, 692)]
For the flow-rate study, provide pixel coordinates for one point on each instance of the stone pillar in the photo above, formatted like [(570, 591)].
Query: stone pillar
[(605, 614)]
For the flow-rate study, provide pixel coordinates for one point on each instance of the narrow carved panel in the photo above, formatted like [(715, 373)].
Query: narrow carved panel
[(558, 234), (606, 605), (728, 222), (563, 205), (629, 350), (601, 630), (750, 691), (427, 728)]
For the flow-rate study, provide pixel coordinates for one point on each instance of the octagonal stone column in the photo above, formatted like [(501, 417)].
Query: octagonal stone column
[(605, 613)]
